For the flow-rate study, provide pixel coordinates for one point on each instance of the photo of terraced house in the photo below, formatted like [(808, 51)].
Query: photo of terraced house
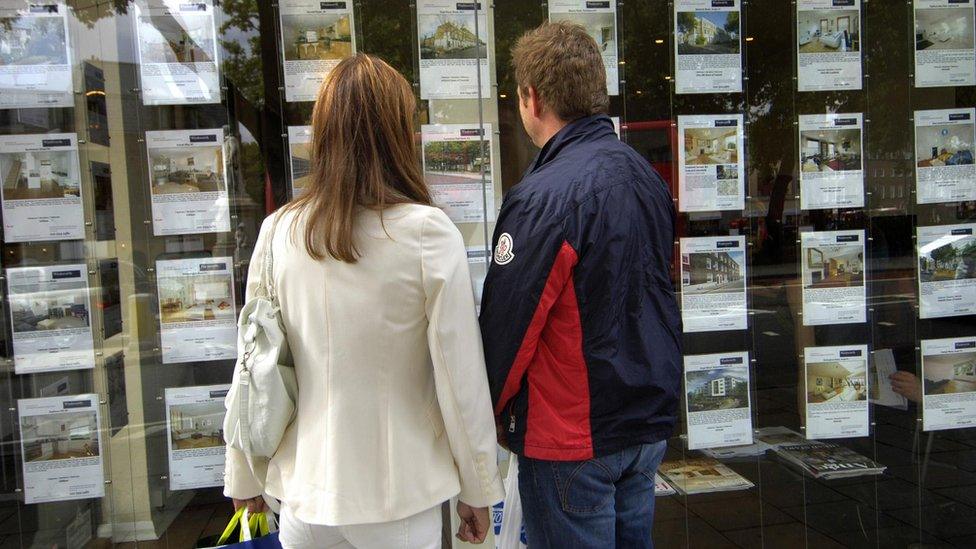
[(713, 272), (450, 37), (316, 36), (707, 32), (955, 260), (33, 175), (718, 389)]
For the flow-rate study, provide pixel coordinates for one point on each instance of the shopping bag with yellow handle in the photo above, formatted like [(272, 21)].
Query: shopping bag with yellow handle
[(245, 531)]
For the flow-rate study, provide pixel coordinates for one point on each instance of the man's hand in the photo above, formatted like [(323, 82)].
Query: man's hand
[(474, 523), (254, 505), (907, 385)]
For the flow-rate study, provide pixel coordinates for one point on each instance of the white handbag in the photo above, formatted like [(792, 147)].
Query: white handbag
[(511, 534), (261, 401)]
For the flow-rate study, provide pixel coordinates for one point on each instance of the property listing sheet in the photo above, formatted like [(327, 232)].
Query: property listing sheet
[(457, 167), (41, 187), (944, 168), (831, 165), (833, 277), (948, 383), (478, 259), (711, 171), (599, 18), (453, 38), (315, 36), (828, 53), (50, 316), (197, 311), (188, 181), (944, 46), (299, 143), (717, 403), (713, 283), (194, 425), (708, 46), (946, 270), (836, 381), (35, 55), (61, 448)]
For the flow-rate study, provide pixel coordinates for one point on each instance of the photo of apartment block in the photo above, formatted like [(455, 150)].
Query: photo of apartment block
[(316, 36), (598, 25), (35, 175), (187, 170), (68, 435), (833, 267), (49, 311), (945, 145), (450, 37), (949, 374), (196, 425), (944, 29), (196, 298), (32, 41), (707, 32), (711, 146), (830, 150), (952, 260), (718, 389), (822, 31), (166, 39), (836, 381), (712, 272)]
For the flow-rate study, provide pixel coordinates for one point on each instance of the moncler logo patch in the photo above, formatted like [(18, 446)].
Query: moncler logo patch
[(504, 250)]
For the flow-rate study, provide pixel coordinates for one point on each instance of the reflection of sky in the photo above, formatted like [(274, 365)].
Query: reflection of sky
[(704, 377)]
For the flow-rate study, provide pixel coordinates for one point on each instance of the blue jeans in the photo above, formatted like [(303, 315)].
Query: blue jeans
[(602, 502)]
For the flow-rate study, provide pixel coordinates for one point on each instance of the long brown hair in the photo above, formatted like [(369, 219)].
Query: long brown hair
[(363, 154)]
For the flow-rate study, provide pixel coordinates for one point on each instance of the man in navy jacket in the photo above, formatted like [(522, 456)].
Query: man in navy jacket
[(581, 330)]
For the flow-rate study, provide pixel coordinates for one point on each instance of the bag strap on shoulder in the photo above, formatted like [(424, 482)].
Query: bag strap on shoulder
[(269, 261)]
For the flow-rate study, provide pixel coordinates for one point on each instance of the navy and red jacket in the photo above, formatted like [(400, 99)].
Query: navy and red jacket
[(581, 329)]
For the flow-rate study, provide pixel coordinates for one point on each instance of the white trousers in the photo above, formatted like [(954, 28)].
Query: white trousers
[(420, 531)]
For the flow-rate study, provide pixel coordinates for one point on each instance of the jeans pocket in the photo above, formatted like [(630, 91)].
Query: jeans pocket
[(585, 487)]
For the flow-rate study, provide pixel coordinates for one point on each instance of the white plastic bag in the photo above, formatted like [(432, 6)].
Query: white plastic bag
[(511, 535)]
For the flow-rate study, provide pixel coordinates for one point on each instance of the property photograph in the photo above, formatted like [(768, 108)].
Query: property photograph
[(32, 41), (953, 260), (598, 25), (67, 435), (196, 298), (187, 170), (451, 37), (830, 150), (944, 145), (301, 165), (194, 426), (711, 146), (34, 175), (718, 389), (168, 39), (825, 31), (836, 381), (949, 374), (713, 272), (43, 311), (833, 267), (944, 29), (449, 162), (326, 36), (707, 32)]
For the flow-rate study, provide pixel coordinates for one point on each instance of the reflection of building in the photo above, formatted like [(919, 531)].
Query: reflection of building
[(836, 381), (711, 267)]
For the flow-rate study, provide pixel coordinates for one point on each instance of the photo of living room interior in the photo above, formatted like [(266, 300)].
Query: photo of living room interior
[(711, 146), (190, 170), (944, 29), (60, 311), (836, 381), (822, 31), (196, 425), (833, 267), (944, 145), (316, 36), (948, 374), (830, 150), (34, 175), (65, 435), (196, 298)]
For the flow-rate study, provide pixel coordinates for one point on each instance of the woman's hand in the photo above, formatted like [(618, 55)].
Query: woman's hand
[(474, 523), (254, 505)]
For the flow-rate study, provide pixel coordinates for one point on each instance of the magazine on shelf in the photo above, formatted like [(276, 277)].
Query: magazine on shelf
[(765, 439), (662, 487), (702, 475), (827, 460)]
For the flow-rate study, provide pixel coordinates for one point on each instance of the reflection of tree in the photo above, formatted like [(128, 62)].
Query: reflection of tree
[(452, 156), (241, 43), (687, 21)]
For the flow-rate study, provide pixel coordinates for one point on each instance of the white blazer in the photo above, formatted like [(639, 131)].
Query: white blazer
[(394, 413)]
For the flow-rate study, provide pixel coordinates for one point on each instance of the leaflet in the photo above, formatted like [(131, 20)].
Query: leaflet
[(708, 45), (457, 167), (711, 172), (831, 169), (833, 277), (61, 448), (837, 391), (195, 423), (947, 270), (299, 143), (944, 47), (600, 21), (717, 407), (50, 316), (188, 179), (177, 52), (35, 56), (949, 383), (880, 369), (453, 49), (197, 309), (478, 258), (944, 155), (315, 36), (713, 283), (41, 188), (829, 45)]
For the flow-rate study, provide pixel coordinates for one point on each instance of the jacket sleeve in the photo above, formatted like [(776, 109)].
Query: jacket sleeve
[(458, 360)]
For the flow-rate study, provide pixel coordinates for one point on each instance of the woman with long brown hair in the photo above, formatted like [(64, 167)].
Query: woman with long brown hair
[(393, 411)]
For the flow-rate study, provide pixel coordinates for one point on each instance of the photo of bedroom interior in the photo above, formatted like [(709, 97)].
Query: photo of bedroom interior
[(710, 146), (830, 150), (836, 381), (196, 425), (68, 435), (196, 298), (823, 31), (948, 374), (946, 145), (944, 29)]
